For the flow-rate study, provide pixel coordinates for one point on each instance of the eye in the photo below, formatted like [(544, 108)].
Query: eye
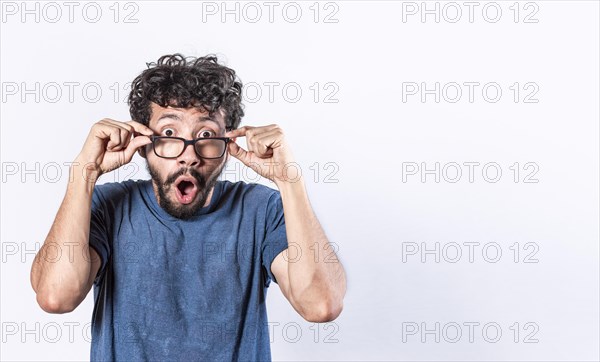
[(206, 134), (168, 132)]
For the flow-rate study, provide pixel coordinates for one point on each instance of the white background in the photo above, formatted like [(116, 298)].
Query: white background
[(365, 138)]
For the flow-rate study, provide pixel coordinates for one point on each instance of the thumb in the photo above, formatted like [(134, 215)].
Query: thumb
[(136, 143), (239, 153)]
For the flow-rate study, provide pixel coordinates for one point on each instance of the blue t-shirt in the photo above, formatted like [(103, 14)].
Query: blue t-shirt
[(171, 289)]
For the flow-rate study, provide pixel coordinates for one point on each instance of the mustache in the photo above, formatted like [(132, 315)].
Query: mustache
[(183, 171)]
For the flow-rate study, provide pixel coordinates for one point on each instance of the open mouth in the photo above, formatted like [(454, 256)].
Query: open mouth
[(186, 189)]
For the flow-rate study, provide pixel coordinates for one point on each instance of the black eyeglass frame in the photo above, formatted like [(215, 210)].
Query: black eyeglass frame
[(186, 143)]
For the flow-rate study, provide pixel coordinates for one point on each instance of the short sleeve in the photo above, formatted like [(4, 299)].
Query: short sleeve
[(275, 235), (99, 232)]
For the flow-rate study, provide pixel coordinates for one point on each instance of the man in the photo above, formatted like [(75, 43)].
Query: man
[(180, 263)]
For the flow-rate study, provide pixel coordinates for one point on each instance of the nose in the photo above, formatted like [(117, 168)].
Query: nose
[(189, 157)]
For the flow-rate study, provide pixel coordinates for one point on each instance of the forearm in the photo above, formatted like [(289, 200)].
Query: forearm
[(316, 277), (61, 270)]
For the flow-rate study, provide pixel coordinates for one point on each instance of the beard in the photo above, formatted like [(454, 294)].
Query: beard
[(175, 209)]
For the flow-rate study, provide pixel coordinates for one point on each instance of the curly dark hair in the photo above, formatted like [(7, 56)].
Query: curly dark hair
[(178, 81)]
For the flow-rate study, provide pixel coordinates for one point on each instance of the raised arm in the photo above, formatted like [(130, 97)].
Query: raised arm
[(64, 269), (309, 274), (311, 277)]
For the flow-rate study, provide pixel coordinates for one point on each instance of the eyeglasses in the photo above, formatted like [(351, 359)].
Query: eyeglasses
[(173, 147)]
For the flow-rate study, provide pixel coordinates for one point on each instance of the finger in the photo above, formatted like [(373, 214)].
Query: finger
[(136, 142), (120, 125), (264, 143), (114, 138), (241, 154), (238, 132), (140, 128), (256, 133), (133, 128), (122, 137), (260, 147), (108, 126), (263, 129), (250, 131), (128, 130), (126, 137)]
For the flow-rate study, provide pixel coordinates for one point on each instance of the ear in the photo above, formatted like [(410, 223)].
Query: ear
[(142, 151)]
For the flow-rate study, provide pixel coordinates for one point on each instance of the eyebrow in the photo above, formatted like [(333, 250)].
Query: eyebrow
[(176, 117)]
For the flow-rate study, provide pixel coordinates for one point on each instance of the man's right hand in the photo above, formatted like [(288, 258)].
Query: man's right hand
[(61, 285), (110, 145)]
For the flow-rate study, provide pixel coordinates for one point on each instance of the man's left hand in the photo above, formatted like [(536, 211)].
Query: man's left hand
[(268, 153)]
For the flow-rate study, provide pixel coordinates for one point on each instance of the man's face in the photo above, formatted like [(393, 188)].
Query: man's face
[(183, 185)]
